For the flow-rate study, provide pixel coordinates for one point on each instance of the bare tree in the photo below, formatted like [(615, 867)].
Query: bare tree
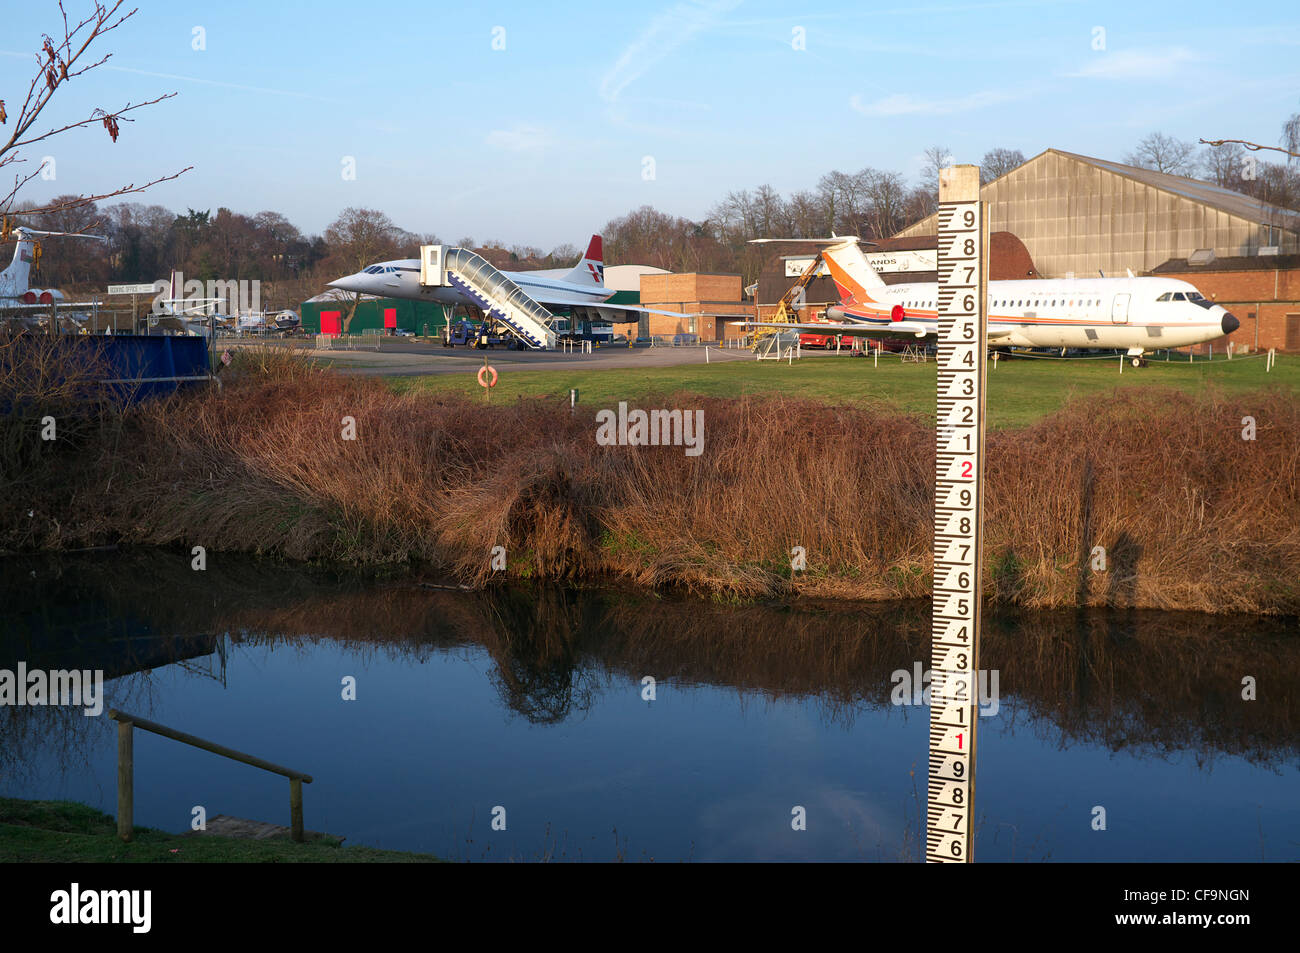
[(847, 198), (998, 162), (770, 212), (888, 196), (564, 254), (808, 214), (58, 62), (360, 236), (1225, 166), (1291, 136), (936, 158), (1164, 154)]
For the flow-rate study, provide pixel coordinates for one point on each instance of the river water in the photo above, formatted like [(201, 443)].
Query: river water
[(1113, 735)]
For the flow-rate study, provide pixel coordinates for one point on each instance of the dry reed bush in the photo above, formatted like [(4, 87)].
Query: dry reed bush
[(1190, 515), (45, 375), (51, 381), (849, 486)]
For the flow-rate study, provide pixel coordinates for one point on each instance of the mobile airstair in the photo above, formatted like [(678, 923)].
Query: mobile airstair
[(500, 299)]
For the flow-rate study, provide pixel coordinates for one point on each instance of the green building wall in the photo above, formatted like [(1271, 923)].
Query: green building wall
[(411, 315)]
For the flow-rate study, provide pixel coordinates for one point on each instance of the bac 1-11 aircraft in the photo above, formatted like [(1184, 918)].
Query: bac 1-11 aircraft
[(1131, 314)]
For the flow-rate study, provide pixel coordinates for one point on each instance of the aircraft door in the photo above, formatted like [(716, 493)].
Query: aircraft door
[(1119, 309)]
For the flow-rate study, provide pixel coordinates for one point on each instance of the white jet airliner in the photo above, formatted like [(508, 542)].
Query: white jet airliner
[(580, 288), (1132, 314)]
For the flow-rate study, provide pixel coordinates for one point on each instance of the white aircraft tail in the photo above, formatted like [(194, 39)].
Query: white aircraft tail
[(591, 270), (853, 275), (14, 280)]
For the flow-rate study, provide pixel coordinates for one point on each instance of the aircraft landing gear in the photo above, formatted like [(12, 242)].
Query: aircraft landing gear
[(1138, 361)]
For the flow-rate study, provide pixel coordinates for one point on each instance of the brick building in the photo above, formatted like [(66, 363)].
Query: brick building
[(1262, 291), (714, 303)]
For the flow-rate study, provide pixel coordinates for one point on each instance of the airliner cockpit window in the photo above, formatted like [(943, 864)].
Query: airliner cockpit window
[(1166, 296), (1178, 296)]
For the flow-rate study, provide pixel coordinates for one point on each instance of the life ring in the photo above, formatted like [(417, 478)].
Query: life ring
[(491, 373)]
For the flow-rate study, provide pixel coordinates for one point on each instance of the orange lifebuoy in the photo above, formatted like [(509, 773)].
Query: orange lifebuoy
[(491, 372)]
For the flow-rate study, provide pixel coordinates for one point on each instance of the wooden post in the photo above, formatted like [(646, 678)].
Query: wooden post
[(295, 810), (125, 783)]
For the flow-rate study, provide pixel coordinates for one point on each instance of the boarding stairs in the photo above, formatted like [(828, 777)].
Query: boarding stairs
[(500, 299)]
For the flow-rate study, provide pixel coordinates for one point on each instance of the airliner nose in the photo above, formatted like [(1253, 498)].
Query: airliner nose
[(1230, 323), (348, 283)]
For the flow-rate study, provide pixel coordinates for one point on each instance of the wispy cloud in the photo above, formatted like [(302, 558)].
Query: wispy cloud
[(1137, 64), (665, 34), (521, 137), (905, 104)]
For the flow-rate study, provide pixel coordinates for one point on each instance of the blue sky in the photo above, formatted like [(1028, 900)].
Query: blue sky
[(543, 141)]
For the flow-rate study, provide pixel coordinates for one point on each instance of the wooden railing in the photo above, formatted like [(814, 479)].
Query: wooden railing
[(126, 723)]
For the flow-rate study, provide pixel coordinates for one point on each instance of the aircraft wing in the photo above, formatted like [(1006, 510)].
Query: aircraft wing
[(914, 329), (62, 306), (561, 300), (894, 329)]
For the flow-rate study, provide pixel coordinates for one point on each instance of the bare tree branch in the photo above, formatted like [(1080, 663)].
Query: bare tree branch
[(82, 201), (107, 119), (1252, 146), (59, 62)]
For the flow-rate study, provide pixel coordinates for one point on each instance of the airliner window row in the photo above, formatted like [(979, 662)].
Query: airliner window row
[(1017, 303)]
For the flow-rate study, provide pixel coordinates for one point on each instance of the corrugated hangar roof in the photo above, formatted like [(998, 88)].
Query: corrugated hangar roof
[(1234, 203), (1205, 193), (1081, 215)]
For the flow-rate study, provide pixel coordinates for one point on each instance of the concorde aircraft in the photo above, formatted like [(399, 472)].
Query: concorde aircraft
[(580, 289), (1132, 314)]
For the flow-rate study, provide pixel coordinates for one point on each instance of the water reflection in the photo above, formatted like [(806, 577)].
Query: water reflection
[(1150, 684)]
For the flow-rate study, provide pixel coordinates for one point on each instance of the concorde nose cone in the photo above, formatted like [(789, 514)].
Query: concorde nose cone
[(1230, 323)]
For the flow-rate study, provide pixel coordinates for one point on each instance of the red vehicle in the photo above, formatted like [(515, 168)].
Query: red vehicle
[(827, 341)]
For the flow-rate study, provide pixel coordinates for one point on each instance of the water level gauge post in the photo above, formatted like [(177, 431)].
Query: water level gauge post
[(958, 515)]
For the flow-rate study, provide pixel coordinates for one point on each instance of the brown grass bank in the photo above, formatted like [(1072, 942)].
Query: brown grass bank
[(1190, 515)]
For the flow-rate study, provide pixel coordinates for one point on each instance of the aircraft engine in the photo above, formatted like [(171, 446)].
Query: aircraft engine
[(42, 296)]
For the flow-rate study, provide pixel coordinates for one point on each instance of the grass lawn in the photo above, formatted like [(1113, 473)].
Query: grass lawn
[(66, 831), (1020, 391)]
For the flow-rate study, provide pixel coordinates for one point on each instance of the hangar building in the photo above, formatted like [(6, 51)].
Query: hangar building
[(1079, 215)]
